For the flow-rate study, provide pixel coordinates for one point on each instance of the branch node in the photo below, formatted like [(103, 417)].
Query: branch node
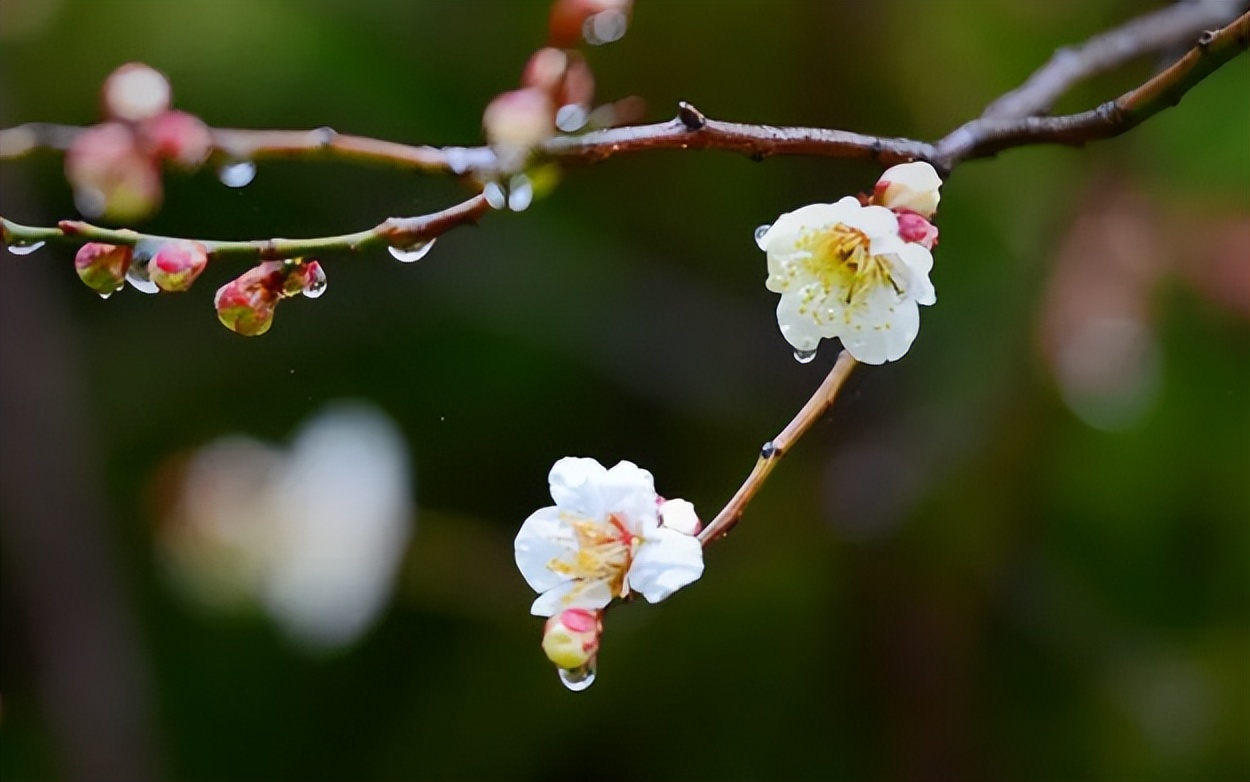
[(691, 117), (769, 450)]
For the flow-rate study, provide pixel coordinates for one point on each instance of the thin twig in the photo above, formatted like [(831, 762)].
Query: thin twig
[(774, 449), (400, 232), (1167, 28)]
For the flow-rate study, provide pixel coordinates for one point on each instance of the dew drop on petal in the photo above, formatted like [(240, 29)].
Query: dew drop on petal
[(578, 679), (315, 288), (805, 356), (495, 195), (520, 193), (760, 233), (412, 253), (25, 248), (238, 174), (107, 294)]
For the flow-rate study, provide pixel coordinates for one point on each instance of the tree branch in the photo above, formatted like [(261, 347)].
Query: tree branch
[(1167, 28), (774, 449), (400, 232)]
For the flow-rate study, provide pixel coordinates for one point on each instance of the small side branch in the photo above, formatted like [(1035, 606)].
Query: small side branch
[(779, 446), (396, 232)]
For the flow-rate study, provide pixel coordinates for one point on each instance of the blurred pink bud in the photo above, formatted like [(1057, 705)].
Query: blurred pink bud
[(135, 92), (176, 264), (545, 69), (246, 305), (594, 21), (519, 119), (914, 228), (103, 267), (111, 176), (179, 137), (571, 638)]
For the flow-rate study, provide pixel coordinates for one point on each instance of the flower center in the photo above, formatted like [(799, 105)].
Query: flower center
[(841, 261), (605, 550)]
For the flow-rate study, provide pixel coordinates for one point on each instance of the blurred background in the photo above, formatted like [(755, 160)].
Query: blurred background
[(1022, 552)]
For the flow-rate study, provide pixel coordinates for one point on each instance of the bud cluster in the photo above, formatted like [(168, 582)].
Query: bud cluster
[(246, 304), (115, 166)]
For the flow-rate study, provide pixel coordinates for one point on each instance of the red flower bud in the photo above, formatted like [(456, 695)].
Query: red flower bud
[(914, 228), (179, 137), (176, 264), (103, 267), (246, 305)]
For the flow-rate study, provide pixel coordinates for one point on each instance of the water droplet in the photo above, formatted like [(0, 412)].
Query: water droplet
[(495, 195), (571, 117), (239, 174), (768, 451), (457, 159), (106, 295), (137, 274), (805, 356), (90, 201), (520, 193), (759, 234), (25, 248), (315, 287), (412, 253), (605, 27), (578, 679)]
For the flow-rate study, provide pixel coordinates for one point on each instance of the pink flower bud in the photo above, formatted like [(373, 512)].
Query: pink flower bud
[(179, 137), (571, 638), (111, 176), (519, 119), (914, 228), (135, 92), (176, 264), (246, 305), (103, 267)]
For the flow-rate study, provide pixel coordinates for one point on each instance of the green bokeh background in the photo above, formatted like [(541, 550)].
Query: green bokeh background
[(1006, 592)]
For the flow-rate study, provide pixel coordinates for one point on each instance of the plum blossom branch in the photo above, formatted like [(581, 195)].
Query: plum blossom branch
[(819, 404), (1005, 124), (399, 232)]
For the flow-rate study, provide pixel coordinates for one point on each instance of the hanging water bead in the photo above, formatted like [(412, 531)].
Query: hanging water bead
[(237, 174), (805, 356), (520, 193), (578, 679), (314, 280), (760, 233), (412, 253), (25, 248), (137, 274)]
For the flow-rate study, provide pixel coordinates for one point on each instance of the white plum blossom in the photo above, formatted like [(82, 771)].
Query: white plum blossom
[(844, 271), (909, 187), (603, 539)]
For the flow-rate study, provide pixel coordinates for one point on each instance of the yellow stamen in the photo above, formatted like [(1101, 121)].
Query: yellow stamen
[(605, 550)]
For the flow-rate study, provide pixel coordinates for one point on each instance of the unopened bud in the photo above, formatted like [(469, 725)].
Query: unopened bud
[(111, 176), (103, 267), (179, 137), (135, 92), (571, 638), (518, 120), (911, 186), (246, 305), (679, 515), (914, 228), (176, 264)]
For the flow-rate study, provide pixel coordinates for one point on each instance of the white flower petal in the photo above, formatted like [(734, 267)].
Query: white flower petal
[(574, 486), (799, 328), (544, 536), (875, 222), (679, 515), (917, 257), (884, 330), (629, 491), (666, 561), (911, 186), (572, 594)]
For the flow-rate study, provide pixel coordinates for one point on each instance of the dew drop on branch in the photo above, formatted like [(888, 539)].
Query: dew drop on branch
[(137, 274), (805, 356), (520, 193), (411, 253), (578, 679), (759, 234), (25, 248), (495, 195), (237, 174), (571, 117)]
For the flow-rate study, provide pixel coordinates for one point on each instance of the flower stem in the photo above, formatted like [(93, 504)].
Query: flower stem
[(819, 404)]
